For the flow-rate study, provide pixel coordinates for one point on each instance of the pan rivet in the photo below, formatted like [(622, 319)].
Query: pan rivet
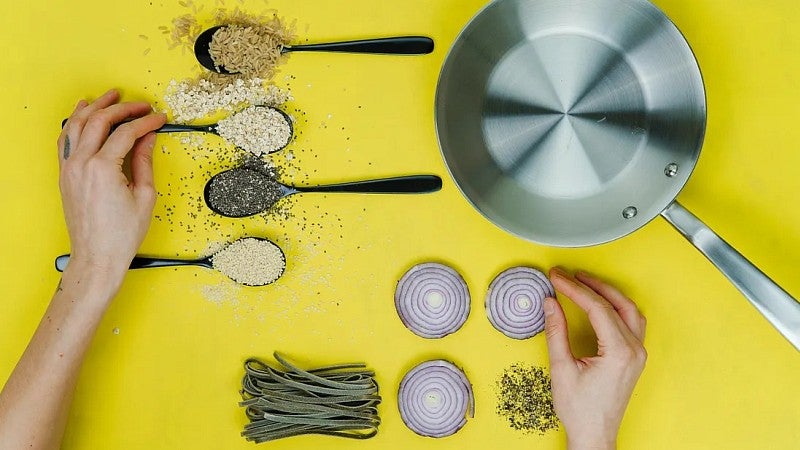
[(630, 212), (671, 170)]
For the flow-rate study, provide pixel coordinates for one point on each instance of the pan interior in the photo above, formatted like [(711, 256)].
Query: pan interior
[(570, 122)]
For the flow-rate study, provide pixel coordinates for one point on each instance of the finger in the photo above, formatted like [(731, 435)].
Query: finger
[(77, 121), (555, 331), (604, 319), (102, 102), (625, 307), (142, 167), (75, 124), (97, 129), (125, 136), (65, 141)]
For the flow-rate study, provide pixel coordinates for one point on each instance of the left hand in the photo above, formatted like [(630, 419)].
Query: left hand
[(107, 215)]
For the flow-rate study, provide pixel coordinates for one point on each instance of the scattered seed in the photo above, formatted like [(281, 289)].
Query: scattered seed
[(525, 399)]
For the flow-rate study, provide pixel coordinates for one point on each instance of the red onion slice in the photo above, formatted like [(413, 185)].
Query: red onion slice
[(435, 399), (432, 300), (515, 302)]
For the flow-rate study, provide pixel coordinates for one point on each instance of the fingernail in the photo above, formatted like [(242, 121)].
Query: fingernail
[(549, 307), (558, 271)]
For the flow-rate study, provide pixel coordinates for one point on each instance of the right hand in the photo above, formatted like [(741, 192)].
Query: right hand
[(591, 394), (107, 215)]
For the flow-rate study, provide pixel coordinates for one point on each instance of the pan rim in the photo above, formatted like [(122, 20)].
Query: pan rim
[(697, 151)]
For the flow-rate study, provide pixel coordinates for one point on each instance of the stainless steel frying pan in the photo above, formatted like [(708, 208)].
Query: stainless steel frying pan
[(576, 122)]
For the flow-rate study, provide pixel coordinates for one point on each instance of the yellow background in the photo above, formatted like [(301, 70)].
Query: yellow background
[(718, 375)]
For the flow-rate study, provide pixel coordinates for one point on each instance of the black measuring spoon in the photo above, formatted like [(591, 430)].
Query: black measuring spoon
[(212, 128), (402, 45), (244, 192), (140, 262)]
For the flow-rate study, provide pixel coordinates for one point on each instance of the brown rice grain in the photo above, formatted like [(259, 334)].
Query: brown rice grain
[(252, 49)]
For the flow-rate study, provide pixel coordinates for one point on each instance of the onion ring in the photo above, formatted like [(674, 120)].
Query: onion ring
[(435, 399), (515, 302), (432, 300)]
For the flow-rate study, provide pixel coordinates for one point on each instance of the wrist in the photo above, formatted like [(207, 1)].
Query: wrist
[(101, 281), (116, 265), (592, 443)]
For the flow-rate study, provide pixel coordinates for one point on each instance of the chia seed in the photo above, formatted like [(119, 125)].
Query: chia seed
[(243, 192), (525, 399)]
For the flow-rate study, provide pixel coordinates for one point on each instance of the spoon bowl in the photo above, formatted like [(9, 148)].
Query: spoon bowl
[(250, 192), (402, 45), (202, 51)]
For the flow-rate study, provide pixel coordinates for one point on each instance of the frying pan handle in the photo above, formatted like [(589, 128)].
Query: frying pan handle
[(780, 308)]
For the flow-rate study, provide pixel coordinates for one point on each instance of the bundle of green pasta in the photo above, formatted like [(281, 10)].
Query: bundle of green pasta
[(339, 400)]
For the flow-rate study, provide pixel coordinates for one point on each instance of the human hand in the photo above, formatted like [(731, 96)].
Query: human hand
[(107, 215), (590, 394)]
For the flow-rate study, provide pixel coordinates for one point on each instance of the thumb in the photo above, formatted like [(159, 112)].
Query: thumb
[(142, 167), (555, 329)]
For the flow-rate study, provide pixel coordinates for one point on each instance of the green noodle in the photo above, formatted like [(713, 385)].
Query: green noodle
[(338, 400)]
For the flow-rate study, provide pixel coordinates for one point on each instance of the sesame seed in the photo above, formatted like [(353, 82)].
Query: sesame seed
[(257, 129), (250, 261)]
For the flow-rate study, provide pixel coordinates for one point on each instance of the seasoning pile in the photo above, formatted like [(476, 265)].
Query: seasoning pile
[(250, 261), (264, 28), (252, 49), (243, 192), (339, 400), (194, 99), (257, 129), (525, 399)]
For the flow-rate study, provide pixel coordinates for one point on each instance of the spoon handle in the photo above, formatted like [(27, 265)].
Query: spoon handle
[(415, 184), (173, 128), (142, 263), (406, 45)]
